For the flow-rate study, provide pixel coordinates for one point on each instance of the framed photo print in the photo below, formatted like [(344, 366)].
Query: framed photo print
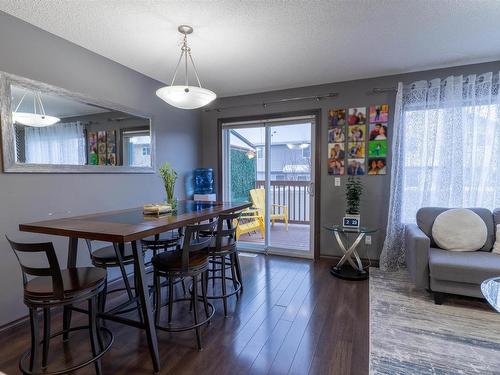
[(356, 133), (336, 117), (378, 132), (356, 149), (377, 166), (336, 167), (379, 113), (377, 149), (355, 167), (357, 116), (336, 151), (336, 134)]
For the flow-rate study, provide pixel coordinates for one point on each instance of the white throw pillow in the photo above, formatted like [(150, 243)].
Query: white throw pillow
[(496, 246), (459, 229)]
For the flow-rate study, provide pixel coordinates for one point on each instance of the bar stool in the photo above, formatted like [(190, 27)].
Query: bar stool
[(113, 256), (190, 261), (163, 241), (52, 287), (224, 250)]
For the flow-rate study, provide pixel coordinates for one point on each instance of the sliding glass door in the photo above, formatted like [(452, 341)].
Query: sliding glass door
[(271, 164)]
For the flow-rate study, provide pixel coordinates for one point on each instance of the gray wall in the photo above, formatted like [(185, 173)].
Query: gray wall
[(29, 197), (374, 205)]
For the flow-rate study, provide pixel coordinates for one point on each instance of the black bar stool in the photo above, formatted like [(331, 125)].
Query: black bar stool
[(163, 241), (224, 251), (190, 261), (52, 287), (113, 256)]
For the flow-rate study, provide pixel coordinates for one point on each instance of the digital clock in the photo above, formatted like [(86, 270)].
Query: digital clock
[(351, 222)]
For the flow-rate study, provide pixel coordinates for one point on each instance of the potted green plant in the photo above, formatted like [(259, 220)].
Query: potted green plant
[(169, 177), (353, 191)]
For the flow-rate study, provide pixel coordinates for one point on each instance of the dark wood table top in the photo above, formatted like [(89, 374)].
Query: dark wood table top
[(131, 224)]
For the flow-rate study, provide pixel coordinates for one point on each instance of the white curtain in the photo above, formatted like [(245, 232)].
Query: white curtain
[(446, 151), (56, 144)]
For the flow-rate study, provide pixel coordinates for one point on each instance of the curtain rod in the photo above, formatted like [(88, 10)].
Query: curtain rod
[(378, 90), (285, 100)]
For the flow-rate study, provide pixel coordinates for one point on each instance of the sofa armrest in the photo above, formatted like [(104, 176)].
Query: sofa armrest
[(417, 246)]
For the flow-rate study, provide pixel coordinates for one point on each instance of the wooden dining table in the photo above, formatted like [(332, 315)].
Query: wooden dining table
[(130, 226)]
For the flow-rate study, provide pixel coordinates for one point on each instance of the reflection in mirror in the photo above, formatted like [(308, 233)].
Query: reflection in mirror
[(54, 129)]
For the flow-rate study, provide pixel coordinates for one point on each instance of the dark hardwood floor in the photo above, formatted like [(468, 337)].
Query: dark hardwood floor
[(292, 318)]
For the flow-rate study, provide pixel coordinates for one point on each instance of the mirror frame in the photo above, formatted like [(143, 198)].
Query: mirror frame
[(11, 165)]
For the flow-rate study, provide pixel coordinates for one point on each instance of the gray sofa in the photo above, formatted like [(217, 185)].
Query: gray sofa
[(442, 271)]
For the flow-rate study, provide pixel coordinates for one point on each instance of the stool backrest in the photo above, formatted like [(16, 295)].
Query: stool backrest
[(53, 270), (229, 230), (193, 242)]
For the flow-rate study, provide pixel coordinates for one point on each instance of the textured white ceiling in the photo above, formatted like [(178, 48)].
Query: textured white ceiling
[(252, 46)]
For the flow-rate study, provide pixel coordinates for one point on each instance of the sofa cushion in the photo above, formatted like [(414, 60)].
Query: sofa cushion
[(459, 229), (463, 267), (427, 215)]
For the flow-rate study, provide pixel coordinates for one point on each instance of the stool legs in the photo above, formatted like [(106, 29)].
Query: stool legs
[(195, 309), (46, 336), (170, 297), (238, 269), (204, 293), (234, 275), (92, 303), (224, 288), (34, 362)]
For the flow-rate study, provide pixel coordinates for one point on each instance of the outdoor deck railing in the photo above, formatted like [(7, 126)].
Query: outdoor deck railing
[(293, 194)]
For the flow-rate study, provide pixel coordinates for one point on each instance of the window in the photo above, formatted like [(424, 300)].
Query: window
[(451, 155), (260, 152), (306, 152), (56, 144), (137, 148)]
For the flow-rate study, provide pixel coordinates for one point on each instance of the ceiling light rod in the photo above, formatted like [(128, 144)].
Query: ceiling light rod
[(278, 101), (185, 53)]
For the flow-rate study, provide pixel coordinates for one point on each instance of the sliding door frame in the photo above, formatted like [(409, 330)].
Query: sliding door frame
[(316, 113)]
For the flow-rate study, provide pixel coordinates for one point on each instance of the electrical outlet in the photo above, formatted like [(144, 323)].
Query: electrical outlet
[(337, 181), (368, 240)]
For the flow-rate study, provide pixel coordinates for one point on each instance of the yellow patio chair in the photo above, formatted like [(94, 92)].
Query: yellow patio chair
[(258, 197), (249, 221)]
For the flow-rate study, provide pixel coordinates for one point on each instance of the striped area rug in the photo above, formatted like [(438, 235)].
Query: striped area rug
[(409, 334)]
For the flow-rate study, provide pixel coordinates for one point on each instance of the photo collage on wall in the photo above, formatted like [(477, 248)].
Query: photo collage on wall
[(348, 134), (101, 148)]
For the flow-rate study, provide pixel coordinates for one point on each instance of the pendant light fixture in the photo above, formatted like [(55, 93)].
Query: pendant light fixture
[(37, 118), (185, 96)]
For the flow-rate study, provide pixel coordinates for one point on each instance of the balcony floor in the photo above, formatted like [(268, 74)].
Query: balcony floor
[(297, 237)]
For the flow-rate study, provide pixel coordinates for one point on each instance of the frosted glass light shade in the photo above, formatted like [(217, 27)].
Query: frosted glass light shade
[(34, 119), (192, 98)]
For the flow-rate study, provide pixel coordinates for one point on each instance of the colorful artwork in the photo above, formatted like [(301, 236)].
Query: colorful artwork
[(379, 113), (336, 167), (355, 167), (101, 147), (356, 150), (377, 148), (336, 134), (356, 133), (377, 166), (378, 132), (92, 148), (357, 116), (336, 151), (336, 117), (111, 147)]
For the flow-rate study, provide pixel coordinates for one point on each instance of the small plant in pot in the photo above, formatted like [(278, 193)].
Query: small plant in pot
[(169, 177), (354, 189)]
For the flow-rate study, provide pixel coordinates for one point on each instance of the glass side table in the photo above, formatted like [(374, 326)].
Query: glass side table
[(491, 291), (354, 269)]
